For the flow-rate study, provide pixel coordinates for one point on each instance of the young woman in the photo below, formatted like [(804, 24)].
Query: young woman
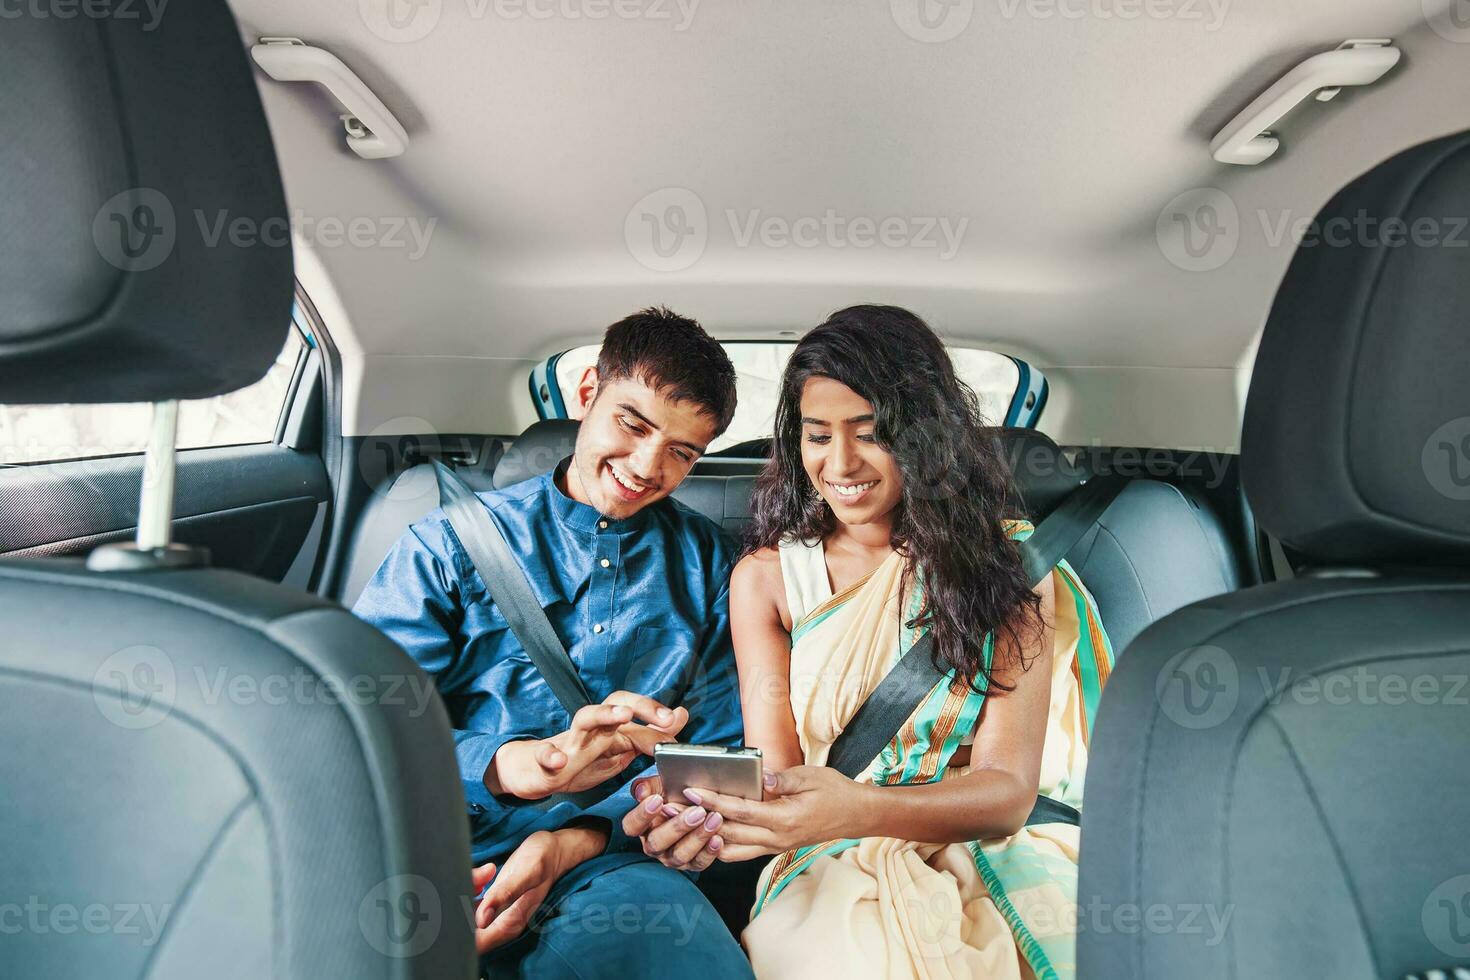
[(880, 517)]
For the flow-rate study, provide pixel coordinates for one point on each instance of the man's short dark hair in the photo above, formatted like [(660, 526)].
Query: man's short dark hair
[(673, 355)]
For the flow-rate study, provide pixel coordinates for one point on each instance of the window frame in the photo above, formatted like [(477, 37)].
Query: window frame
[(292, 388), (1024, 410)]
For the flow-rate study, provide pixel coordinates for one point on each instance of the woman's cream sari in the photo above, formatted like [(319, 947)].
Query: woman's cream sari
[(880, 907)]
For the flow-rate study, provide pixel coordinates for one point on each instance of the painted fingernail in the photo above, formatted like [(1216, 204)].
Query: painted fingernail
[(714, 821), (715, 844), (694, 817), (692, 797), (640, 790), (671, 811), (770, 779), (653, 803)]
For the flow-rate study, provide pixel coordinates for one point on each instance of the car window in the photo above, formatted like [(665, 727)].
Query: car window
[(46, 433), (996, 378)]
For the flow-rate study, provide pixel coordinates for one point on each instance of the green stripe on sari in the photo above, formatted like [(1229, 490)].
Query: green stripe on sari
[(1051, 958), (803, 858), (1088, 655)]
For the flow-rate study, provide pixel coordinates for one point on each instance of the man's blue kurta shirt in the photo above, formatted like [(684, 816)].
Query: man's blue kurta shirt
[(640, 604)]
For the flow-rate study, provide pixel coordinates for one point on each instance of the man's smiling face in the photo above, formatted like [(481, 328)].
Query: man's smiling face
[(635, 445)]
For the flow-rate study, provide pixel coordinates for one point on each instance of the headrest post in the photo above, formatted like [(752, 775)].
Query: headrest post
[(153, 548), (156, 501)]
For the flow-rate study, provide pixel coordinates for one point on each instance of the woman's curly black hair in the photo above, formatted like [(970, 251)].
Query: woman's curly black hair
[(957, 489)]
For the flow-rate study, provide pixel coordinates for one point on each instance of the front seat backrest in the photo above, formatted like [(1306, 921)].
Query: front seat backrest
[(1277, 785), (204, 774)]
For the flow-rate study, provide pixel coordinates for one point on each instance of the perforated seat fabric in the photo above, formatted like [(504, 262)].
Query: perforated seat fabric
[(1276, 785), (1156, 548), (232, 778), (387, 514), (1280, 831)]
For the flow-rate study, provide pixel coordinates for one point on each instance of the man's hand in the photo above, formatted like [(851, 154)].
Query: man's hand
[(675, 834), (519, 886), (601, 743), (804, 805)]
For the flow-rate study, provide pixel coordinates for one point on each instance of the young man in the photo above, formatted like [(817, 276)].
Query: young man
[(636, 587)]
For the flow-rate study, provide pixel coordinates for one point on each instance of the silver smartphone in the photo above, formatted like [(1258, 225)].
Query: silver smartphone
[(732, 771)]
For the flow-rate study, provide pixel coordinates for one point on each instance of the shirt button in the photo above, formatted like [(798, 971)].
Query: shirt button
[(602, 524), (597, 628), (604, 563)]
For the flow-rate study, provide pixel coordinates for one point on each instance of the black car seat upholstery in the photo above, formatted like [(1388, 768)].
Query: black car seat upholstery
[(1156, 548), (1277, 785), (204, 774)]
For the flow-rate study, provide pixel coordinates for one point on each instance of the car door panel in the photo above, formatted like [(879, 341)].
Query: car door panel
[(253, 506)]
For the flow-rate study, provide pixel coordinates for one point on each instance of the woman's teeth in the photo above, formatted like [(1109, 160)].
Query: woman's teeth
[(850, 489)]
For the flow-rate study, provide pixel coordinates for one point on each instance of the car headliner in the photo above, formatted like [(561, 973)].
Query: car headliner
[(1057, 130)]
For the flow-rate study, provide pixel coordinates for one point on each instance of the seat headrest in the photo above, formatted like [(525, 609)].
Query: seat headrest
[(1356, 442), (1043, 474), (536, 451), (144, 244)]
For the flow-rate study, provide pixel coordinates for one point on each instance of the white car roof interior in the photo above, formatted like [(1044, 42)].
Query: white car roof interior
[(1042, 150)]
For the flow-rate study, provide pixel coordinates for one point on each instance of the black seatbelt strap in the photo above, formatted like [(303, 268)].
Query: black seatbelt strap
[(1059, 531), (506, 582), (880, 717), (905, 687), (1048, 810)]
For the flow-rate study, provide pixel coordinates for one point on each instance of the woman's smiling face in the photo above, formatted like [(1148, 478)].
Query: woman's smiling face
[(857, 477)]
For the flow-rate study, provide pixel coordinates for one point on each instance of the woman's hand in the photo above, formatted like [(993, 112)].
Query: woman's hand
[(678, 836), (803, 805)]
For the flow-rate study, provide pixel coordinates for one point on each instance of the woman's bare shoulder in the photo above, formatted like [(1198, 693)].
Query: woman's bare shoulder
[(757, 579), (758, 570)]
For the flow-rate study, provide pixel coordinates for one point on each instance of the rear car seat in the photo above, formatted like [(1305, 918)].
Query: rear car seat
[(1157, 547)]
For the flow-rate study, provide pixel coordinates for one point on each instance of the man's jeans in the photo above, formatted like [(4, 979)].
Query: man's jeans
[(611, 918)]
